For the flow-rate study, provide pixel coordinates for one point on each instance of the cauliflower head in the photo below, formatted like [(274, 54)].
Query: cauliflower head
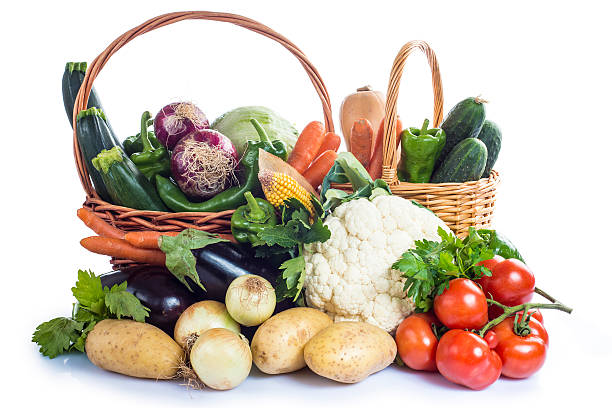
[(349, 276)]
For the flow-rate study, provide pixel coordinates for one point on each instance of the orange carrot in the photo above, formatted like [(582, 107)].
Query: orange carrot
[(147, 239), (307, 146), (375, 168), (150, 239), (229, 237), (319, 168), (98, 225), (330, 142), (362, 134), (120, 248)]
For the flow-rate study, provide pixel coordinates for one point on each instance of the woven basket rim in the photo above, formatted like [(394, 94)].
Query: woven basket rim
[(170, 18)]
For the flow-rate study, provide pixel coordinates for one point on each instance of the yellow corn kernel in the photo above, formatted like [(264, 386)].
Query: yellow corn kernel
[(279, 187)]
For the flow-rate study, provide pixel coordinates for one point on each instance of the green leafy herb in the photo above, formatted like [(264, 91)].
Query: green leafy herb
[(431, 265), (94, 303), (120, 303), (296, 229), (179, 258), (56, 336)]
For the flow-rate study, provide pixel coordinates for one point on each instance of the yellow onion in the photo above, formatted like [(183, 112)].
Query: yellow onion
[(221, 358), (198, 318), (250, 300)]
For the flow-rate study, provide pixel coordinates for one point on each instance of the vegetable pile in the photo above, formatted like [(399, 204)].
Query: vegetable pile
[(342, 282)]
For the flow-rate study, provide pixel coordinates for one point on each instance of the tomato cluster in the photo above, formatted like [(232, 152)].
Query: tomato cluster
[(447, 339)]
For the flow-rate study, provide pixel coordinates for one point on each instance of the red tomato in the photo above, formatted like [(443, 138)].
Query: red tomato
[(465, 358), (416, 342), (521, 356), (491, 339), (490, 263), (462, 305), (511, 283)]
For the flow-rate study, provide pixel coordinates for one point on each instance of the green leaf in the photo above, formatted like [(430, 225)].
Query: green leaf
[(346, 169), (279, 235), (121, 303), (88, 292), (55, 336), (82, 315), (180, 261), (318, 232), (79, 344), (501, 245), (294, 272)]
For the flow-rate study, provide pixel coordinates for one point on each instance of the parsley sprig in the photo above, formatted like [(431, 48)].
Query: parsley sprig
[(295, 229), (431, 265), (94, 303)]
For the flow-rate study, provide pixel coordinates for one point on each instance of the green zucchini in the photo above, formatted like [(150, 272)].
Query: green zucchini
[(491, 136), (126, 185), (74, 73), (466, 162), (94, 135), (464, 120)]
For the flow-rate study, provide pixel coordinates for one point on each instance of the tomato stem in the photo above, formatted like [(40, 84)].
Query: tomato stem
[(509, 311), (545, 295)]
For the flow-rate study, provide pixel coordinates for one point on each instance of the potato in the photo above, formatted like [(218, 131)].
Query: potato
[(349, 352), (278, 344), (134, 349)]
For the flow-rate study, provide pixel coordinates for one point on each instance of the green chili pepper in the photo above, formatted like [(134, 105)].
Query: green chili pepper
[(233, 197), (420, 150), (133, 144), (252, 218), (275, 147), (150, 160)]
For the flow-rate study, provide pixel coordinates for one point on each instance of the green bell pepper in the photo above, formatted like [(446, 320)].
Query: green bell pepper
[(252, 218), (150, 160), (420, 150), (233, 197)]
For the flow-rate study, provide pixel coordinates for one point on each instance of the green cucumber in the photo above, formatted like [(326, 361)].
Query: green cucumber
[(491, 136), (94, 135), (463, 121), (126, 185), (74, 73), (466, 162)]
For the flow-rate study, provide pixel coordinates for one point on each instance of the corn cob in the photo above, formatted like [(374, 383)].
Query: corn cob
[(279, 187)]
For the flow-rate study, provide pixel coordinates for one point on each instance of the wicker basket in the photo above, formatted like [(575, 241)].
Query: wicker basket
[(129, 219), (459, 205)]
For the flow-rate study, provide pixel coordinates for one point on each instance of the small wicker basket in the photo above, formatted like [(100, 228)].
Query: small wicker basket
[(459, 205), (129, 219)]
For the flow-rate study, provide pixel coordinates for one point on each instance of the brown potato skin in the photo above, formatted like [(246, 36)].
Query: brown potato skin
[(133, 348), (278, 344), (349, 352)]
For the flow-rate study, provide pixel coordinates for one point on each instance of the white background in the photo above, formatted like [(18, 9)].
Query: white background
[(544, 66)]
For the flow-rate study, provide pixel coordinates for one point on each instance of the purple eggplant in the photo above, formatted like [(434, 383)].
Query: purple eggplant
[(158, 290)]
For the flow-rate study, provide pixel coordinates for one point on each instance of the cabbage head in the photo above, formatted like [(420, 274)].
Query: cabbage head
[(236, 125)]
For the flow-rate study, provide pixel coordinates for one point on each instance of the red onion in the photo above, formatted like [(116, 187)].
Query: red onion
[(177, 120), (203, 164)]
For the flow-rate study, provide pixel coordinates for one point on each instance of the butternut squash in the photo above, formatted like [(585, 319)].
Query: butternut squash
[(365, 103)]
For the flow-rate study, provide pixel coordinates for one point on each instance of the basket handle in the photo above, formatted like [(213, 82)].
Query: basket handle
[(163, 20), (389, 164)]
